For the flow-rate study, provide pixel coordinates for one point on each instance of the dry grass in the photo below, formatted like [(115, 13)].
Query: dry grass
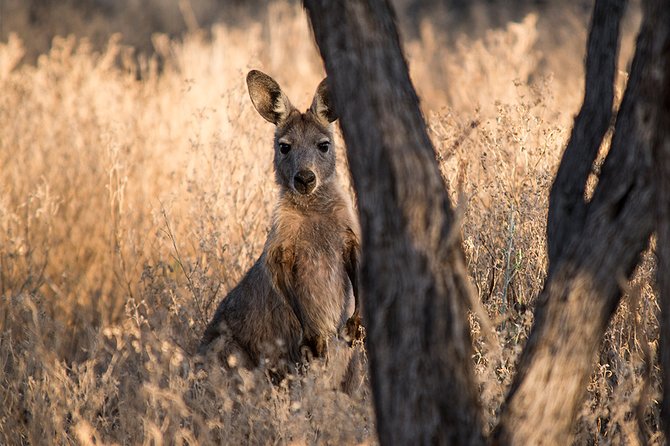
[(129, 207)]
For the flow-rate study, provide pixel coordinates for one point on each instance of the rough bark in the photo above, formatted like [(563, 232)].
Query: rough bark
[(583, 291), (413, 279), (567, 201), (658, 93)]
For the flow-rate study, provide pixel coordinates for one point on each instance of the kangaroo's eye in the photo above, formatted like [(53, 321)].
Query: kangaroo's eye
[(324, 146), (284, 148)]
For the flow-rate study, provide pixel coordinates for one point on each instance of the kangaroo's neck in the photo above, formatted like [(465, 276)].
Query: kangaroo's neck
[(325, 199)]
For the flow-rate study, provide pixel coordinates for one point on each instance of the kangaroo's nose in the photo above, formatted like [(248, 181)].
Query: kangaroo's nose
[(304, 181)]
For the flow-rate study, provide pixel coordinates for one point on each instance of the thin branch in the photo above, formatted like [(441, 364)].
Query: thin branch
[(567, 205)]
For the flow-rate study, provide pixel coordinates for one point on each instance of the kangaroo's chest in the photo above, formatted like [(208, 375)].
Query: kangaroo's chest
[(319, 275), (318, 248)]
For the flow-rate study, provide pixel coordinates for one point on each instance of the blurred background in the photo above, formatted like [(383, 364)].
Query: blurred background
[(558, 42)]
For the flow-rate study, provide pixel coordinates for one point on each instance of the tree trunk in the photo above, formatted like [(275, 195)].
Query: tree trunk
[(413, 278), (583, 289), (567, 204), (658, 93)]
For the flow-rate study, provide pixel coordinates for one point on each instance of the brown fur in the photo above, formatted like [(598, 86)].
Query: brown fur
[(300, 292)]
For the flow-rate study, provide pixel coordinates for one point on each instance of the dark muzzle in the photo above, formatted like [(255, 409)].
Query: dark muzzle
[(304, 181)]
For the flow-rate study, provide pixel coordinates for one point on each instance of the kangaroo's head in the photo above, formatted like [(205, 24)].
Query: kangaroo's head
[(304, 149)]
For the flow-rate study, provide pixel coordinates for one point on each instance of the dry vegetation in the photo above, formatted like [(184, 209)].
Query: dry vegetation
[(129, 207)]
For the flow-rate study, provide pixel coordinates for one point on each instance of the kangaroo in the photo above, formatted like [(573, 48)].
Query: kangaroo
[(298, 295)]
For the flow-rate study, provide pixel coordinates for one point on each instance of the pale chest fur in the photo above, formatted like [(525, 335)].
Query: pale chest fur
[(313, 246)]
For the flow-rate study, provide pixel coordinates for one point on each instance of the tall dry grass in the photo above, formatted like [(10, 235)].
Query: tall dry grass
[(128, 208)]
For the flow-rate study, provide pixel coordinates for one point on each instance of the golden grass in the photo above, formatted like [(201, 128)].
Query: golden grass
[(129, 207)]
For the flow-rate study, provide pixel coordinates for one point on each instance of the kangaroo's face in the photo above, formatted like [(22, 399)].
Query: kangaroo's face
[(304, 152)]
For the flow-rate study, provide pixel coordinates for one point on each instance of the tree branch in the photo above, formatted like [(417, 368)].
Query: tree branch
[(567, 205), (581, 295)]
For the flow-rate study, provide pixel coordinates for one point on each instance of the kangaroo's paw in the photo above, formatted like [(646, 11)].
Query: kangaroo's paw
[(354, 330), (316, 347)]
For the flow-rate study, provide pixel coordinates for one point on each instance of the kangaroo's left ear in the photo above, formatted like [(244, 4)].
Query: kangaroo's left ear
[(267, 97), (321, 104)]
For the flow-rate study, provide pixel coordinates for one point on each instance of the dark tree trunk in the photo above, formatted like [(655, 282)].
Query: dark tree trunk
[(658, 93), (567, 204), (413, 281), (595, 258)]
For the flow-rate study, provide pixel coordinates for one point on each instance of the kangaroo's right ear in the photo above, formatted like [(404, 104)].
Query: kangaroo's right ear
[(269, 100), (322, 106)]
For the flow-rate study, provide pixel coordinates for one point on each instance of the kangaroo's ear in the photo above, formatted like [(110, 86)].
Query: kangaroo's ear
[(269, 100), (321, 104)]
